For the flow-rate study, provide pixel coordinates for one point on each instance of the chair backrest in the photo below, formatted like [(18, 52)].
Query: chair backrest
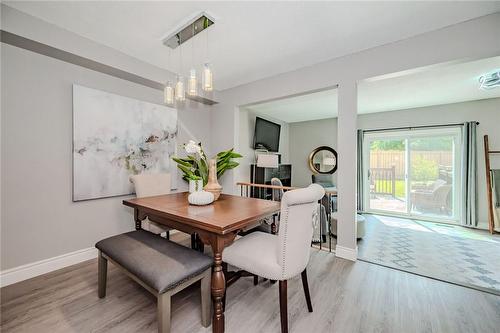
[(325, 180), (298, 208), (277, 193), (440, 195), (151, 184), (437, 184)]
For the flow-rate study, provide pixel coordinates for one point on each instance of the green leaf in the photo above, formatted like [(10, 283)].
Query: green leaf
[(202, 170), (224, 153), (187, 171), (236, 155), (182, 162)]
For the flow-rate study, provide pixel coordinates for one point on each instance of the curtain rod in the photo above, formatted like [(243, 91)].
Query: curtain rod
[(412, 127)]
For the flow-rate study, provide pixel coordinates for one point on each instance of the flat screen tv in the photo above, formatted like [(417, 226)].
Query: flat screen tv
[(267, 135)]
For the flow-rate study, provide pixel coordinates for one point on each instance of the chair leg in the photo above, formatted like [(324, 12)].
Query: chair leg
[(224, 271), (193, 241), (283, 306), (255, 280), (102, 274), (206, 298), (199, 244), (167, 235), (306, 290), (164, 312)]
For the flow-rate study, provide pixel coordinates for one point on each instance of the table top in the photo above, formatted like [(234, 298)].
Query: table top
[(229, 213)]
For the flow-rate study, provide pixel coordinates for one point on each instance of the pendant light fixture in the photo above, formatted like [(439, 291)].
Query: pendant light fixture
[(207, 84), (168, 94), (180, 94), (192, 81), (179, 90), (168, 91), (207, 78)]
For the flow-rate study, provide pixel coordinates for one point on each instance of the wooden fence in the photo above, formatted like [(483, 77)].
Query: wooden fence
[(385, 159)]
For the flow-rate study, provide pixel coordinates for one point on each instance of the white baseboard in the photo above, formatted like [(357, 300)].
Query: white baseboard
[(28, 271), (346, 253)]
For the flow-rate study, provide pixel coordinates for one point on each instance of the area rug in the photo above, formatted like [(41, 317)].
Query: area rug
[(450, 253)]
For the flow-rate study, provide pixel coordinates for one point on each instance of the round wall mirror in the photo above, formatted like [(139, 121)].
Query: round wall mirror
[(323, 160)]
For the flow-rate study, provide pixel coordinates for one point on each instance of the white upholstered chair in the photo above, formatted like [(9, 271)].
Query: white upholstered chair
[(148, 185), (285, 255)]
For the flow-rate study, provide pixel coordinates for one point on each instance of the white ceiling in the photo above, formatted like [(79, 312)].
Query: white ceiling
[(433, 86), (252, 40), (318, 105)]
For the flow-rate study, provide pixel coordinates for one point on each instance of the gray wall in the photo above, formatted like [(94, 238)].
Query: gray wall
[(38, 218), (245, 142), (304, 138)]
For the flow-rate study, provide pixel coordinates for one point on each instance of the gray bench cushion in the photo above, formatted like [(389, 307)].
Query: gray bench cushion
[(159, 263)]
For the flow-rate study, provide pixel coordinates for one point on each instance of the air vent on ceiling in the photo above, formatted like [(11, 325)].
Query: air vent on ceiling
[(186, 31)]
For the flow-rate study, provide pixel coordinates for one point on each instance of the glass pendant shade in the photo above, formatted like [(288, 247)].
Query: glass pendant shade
[(207, 78), (192, 83), (168, 94), (179, 89)]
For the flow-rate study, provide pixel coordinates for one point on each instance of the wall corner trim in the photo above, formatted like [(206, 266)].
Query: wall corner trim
[(346, 253), (28, 271)]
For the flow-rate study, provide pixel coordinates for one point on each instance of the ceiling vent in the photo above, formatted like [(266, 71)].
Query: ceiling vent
[(186, 31)]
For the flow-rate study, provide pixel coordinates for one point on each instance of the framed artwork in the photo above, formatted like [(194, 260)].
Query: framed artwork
[(115, 137)]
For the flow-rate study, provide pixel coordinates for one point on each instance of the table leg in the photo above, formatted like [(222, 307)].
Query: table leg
[(138, 219), (218, 287)]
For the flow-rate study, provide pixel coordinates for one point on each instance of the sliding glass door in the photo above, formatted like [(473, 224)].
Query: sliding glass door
[(414, 173)]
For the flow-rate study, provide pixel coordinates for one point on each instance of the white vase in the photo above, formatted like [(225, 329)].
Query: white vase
[(195, 185), (200, 198)]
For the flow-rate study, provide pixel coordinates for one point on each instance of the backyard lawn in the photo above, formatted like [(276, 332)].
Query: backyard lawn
[(386, 186)]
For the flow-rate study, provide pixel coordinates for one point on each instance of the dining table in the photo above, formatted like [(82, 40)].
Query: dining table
[(216, 224)]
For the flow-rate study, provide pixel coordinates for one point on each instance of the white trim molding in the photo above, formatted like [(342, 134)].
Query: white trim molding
[(346, 253), (28, 271)]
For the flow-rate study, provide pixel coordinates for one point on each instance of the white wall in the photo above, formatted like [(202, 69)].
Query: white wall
[(304, 138), (473, 39), (245, 142), (38, 218)]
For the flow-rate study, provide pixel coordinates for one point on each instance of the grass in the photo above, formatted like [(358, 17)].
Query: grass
[(386, 185)]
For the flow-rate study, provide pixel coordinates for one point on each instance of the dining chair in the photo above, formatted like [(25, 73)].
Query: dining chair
[(277, 193), (285, 255), (148, 185)]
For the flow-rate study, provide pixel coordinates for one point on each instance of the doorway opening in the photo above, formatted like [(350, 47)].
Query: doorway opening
[(414, 173)]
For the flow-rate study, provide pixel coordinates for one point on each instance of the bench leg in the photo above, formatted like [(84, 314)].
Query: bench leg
[(164, 312), (206, 298), (102, 273)]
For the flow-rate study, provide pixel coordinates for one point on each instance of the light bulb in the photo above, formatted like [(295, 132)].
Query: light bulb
[(168, 94), (179, 89), (207, 78), (192, 83)]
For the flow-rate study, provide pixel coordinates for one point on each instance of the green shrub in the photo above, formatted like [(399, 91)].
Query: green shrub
[(423, 169)]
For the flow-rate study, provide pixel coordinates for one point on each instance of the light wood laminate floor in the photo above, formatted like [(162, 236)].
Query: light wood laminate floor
[(347, 297)]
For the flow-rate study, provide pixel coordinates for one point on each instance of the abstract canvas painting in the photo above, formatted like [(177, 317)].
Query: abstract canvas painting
[(115, 137)]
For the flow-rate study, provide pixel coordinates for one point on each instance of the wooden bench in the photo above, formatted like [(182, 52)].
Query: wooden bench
[(159, 265)]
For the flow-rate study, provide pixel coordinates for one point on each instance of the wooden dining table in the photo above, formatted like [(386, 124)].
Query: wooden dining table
[(216, 224)]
